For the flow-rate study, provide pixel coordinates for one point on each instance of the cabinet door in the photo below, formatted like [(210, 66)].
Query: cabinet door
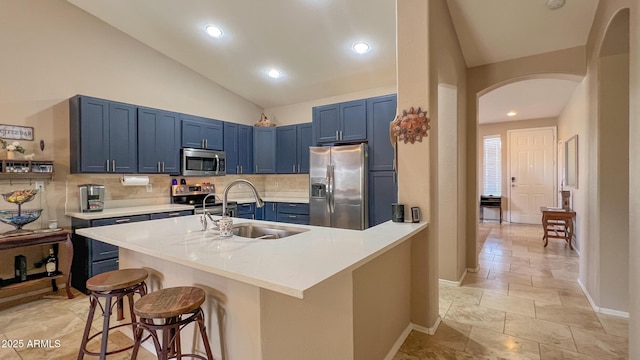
[(245, 149), (286, 149), (231, 147), (270, 212), (90, 134), (380, 112), (326, 121), (191, 132), (264, 150), (353, 120), (212, 132), (383, 191), (305, 139), (123, 138), (158, 141)]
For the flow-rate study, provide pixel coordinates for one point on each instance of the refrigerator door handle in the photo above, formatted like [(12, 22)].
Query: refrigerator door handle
[(333, 198), (328, 192)]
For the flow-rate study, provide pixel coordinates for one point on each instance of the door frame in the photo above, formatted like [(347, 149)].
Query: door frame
[(554, 147)]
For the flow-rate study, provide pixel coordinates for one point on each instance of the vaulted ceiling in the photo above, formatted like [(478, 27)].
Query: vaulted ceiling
[(310, 41)]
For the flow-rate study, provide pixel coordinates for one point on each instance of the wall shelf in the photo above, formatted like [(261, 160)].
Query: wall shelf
[(26, 169)]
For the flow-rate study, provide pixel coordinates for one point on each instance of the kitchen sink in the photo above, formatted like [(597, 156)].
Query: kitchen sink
[(266, 232)]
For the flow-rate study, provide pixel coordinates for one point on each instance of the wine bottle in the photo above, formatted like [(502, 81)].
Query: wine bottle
[(51, 263)]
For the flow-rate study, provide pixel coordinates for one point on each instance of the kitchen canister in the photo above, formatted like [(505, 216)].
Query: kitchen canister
[(397, 212)]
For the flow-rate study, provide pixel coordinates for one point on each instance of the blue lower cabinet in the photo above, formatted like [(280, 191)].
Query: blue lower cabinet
[(383, 191), (246, 211), (269, 211), (294, 213)]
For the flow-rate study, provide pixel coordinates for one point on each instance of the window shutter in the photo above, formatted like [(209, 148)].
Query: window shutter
[(492, 172)]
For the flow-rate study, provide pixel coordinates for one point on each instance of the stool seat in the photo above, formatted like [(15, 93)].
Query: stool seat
[(170, 302), (117, 279)]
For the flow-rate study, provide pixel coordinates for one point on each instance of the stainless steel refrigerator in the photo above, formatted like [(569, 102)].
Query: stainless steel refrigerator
[(338, 181)]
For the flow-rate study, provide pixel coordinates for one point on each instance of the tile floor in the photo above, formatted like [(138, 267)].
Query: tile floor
[(523, 303), (61, 321)]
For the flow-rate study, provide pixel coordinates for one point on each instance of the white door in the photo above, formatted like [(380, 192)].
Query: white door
[(531, 174)]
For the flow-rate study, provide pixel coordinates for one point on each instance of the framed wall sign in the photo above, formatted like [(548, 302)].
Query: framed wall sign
[(16, 132)]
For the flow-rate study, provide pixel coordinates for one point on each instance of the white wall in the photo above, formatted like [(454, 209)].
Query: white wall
[(301, 112)]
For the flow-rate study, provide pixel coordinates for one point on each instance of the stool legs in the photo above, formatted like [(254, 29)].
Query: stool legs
[(107, 311), (171, 344)]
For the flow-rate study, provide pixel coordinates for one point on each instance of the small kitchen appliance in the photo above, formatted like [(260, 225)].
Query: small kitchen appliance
[(91, 197), (397, 212)]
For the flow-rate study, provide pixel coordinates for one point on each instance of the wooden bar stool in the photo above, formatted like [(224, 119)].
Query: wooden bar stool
[(112, 285), (173, 309)]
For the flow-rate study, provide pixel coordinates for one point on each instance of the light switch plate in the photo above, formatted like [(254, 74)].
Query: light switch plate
[(149, 188), (40, 186)]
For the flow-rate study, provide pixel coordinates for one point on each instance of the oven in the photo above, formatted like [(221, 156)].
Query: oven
[(195, 194), (200, 162)]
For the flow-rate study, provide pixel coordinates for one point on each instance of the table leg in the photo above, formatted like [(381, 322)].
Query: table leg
[(69, 246), (569, 233), (544, 231)]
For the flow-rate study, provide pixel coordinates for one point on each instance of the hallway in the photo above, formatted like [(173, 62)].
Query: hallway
[(523, 303)]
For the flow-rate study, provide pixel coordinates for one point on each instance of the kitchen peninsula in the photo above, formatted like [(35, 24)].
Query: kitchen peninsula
[(324, 293)]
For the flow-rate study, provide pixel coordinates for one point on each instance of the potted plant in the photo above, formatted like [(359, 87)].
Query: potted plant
[(12, 148)]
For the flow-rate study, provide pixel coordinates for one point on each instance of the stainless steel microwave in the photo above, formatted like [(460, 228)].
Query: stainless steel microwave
[(201, 162)]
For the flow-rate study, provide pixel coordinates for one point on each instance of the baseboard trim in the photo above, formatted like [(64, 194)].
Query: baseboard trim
[(398, 343), (601, 310), (454, 283), (473, 270)]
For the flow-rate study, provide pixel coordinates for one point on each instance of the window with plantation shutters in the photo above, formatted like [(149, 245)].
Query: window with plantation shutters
[(492, 169)]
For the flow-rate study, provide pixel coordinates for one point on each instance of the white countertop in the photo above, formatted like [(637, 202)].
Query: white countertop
[(289, 265), (129, 211)]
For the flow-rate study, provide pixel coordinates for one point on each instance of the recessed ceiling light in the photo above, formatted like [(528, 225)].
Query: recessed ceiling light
[(274, 73), (511, 113), (214, 31), (555, 4), (361, 47)]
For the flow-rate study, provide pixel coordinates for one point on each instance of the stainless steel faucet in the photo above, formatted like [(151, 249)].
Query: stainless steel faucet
[(225, 193), (203, 219)]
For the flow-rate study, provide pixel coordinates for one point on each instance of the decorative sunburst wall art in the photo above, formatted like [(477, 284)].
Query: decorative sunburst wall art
[(412, 126)]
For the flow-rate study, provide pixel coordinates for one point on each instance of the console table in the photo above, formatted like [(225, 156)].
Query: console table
[(491, 202), (557, 224), (41, 238)]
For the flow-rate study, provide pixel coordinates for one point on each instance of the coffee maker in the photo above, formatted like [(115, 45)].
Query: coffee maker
[(91, 197)]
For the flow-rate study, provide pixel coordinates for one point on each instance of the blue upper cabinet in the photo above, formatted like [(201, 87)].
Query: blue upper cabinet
[(103, 136), (245, 149), (238, 146), (202, 133), (231, 147), (292, 143), (381, 111), (326, 121), (158, 141), (286, 154), (305, 139), (264, 150), (343, 122), (353, 121)]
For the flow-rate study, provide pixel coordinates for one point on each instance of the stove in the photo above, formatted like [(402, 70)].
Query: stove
[(194, 194)]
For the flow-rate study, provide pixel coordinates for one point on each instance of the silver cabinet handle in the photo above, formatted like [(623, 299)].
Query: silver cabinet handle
[(294, 168), (202, 143), (108, 252), (337, 137), (163, 166), (273, 206), (292, 216), (158, 166), (174, 214), (256, 169), (113, 165), (341, 135), (108, 165), (120, 221), (293, 205), (298, 168), (241, 170), (206, 143)]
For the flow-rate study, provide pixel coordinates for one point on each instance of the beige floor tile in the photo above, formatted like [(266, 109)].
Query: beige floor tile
[(549, 296), (8, 349), (509, 304), (573, 299), (476, 315), (565, 275), (553, 353), (579, 317), (494, 265), (481, 273), (447, 336), (443, 306), (530, 270), (487, 285), (511, 260), (458, 294), (552, 283), (541, 331), (499, 346), (600, 345), (614, 325), (509, 277)]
